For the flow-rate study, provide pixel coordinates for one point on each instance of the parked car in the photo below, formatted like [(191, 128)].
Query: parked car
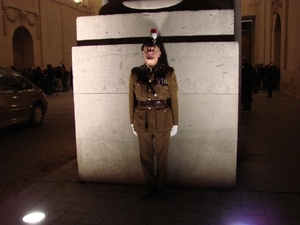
[(20, 100)]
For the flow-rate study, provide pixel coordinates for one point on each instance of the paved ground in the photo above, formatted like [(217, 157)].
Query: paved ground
[(270, 145), (267, 192), (28, 154)]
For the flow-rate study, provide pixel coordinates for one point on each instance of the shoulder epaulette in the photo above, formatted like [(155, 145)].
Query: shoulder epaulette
[(165, 69), (137, 69)]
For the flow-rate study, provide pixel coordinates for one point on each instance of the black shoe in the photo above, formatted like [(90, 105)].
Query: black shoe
[(161, 194), (148, 193)]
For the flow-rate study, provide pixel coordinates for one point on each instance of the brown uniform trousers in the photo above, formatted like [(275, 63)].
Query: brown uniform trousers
[(152, 121)]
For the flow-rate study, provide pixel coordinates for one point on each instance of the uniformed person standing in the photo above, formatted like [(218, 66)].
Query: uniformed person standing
[(153, 110)]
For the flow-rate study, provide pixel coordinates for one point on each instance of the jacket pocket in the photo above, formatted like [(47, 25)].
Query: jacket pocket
[(162, 92), (141, 91), (164, 121), (139, 122)]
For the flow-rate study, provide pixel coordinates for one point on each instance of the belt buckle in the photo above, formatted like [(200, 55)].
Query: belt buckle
[(149, 103)]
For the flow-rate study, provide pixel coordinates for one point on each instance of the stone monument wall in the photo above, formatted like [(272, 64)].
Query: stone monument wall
[(197, 45)]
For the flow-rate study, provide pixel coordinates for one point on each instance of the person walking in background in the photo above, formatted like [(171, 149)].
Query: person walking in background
[(71, 79), (153, 111), (49, 80), (58, 79), (270, 79), (275, 76), (39, 78), (248, 79), (262, 76), (64, 79)]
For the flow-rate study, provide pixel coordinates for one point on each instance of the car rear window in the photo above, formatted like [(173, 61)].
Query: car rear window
[(7, 81)]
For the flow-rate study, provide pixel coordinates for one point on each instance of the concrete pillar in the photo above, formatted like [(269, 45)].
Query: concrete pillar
[(201, 48)]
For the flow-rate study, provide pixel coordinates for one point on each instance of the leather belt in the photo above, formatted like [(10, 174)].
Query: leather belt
[(154, 103)]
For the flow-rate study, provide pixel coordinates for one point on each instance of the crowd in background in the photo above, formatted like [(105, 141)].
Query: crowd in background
[(51, 80), (267, 76), (259, 77), (55, 79)]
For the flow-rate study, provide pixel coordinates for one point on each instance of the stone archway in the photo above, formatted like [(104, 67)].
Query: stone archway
[(277, 41), (23, 48)]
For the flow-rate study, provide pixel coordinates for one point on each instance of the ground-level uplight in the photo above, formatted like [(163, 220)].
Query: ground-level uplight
[(33, 218)]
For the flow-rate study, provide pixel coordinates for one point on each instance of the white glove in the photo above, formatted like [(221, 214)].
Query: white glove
[(174, 130), (135, 133)]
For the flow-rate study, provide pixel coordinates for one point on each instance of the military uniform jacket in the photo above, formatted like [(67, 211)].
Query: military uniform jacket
[(158, 84)]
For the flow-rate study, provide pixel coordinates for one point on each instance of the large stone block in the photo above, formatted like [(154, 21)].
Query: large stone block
[(181, 23), (203, 153)]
